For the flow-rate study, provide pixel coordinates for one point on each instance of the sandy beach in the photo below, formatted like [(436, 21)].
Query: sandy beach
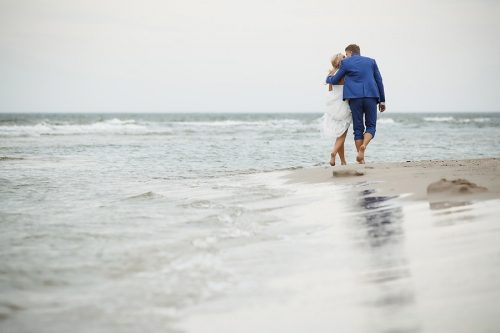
[(411, 180)]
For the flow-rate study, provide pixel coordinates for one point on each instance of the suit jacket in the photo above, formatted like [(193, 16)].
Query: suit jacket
[(362, 78)]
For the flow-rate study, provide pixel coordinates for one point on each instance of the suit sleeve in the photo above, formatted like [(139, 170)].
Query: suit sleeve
[(339, 75), (380, 84)]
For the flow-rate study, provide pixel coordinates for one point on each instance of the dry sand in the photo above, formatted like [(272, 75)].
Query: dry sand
[(455, 180)]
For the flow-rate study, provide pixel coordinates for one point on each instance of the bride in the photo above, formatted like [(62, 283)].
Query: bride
[(337, 118)]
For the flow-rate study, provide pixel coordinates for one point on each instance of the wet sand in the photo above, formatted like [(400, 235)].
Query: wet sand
[(377, 252)]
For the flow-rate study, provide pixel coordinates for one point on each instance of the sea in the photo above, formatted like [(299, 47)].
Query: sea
[(137, 222)]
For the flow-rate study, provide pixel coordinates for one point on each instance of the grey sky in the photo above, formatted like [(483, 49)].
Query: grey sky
[(242, 56)]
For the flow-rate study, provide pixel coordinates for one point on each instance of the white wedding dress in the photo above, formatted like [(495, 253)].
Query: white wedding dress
[(337, 117)]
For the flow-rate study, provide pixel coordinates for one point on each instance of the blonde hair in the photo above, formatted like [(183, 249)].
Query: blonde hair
[(336, 64), (336, 60)]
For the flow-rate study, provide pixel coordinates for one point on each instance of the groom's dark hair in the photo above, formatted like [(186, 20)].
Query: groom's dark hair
[(353, 48)]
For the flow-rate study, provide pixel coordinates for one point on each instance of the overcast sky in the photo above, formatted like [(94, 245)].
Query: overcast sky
[(242, 56)]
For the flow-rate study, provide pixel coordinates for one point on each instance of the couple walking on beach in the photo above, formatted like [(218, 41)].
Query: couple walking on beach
[(355, 88)]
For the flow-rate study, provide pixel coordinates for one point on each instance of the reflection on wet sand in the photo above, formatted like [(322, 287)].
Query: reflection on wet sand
[(448, 204), (356, 261), (385, 277)]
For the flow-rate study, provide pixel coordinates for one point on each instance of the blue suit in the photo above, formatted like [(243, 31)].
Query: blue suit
[(364, 88)]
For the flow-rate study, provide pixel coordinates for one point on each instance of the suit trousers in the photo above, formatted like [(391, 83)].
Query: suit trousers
[(367, 107)]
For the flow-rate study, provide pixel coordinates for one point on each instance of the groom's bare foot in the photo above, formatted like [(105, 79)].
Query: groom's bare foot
[(332, 160), (361, 155)]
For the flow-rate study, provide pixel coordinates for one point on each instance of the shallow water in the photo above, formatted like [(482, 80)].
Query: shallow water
[(148, 222), (353, 261)]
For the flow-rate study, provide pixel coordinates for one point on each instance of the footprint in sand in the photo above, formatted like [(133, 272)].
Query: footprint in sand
[(347, 173), (454, 187)]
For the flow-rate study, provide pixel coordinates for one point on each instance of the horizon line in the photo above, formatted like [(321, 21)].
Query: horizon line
[(218, 112)]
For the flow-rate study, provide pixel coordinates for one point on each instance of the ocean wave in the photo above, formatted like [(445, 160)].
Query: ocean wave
[(473, 120), (232, 123), (445, 119), (456, 120), (111, 126), (7, 158), (146, 196), (386, 121), (133, 127)]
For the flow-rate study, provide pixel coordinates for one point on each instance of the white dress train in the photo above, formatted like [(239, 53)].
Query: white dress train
[(337, 117)]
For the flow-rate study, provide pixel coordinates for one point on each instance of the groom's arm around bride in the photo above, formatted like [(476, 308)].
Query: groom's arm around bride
[(364, 88)]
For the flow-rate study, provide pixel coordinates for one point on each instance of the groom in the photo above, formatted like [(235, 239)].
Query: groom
[(364, 88)]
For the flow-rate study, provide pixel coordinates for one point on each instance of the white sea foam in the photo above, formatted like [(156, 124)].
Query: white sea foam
[(112, 126), (133, 127), (445, 119), (385, 121), (232, 123), (457, 120), (217, 123), (481, 120)]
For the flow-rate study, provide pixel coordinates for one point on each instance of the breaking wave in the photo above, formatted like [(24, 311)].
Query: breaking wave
[(111, 126), (133, 127), (456, 120)]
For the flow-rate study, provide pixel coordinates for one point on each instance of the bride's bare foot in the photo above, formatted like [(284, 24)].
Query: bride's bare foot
[(361, 155), (332, 160), (343, 163)]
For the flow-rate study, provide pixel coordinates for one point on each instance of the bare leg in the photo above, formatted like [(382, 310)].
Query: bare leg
[(339, 148), (341, 155), (361, 147)]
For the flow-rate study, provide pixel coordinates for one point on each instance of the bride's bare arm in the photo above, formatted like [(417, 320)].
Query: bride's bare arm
[(330, 86)]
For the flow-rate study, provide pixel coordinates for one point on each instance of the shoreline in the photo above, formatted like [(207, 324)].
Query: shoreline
[(410, 180)]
